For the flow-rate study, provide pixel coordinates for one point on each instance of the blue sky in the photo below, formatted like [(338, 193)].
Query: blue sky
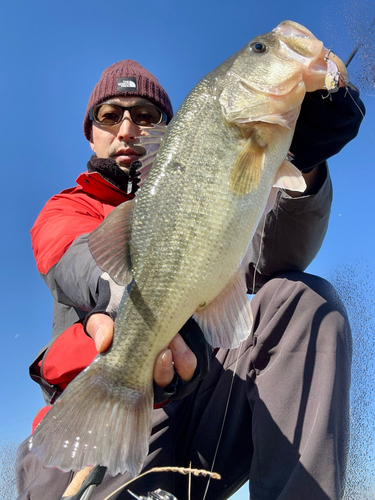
[(53, 54)]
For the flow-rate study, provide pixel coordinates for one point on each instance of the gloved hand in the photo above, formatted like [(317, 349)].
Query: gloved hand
[(109, 298), (325, 125), (179, 386)]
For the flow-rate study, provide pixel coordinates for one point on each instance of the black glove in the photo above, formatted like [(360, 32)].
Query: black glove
[(325, 125), (109, 298), (195, 340)]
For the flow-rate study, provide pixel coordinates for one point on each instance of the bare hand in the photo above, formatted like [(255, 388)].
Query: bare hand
[(176, 357)]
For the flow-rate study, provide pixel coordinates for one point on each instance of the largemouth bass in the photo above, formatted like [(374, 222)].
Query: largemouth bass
[(180, 244)]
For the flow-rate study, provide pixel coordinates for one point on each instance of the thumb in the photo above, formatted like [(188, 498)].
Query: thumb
[(100, 328)]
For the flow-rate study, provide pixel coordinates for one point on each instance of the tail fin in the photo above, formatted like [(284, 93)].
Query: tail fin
[(93, 423)]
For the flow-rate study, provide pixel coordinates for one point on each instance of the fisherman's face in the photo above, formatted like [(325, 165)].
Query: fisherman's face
[(119, 141)]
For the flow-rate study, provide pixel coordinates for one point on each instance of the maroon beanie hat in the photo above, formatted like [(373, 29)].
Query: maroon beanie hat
[(127, 78)]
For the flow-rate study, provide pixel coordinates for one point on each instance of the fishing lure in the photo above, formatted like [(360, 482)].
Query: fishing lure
[(333, 76)]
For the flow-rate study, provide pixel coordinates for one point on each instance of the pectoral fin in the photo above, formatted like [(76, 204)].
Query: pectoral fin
[(109, 244), (248, 166), (227, 320)]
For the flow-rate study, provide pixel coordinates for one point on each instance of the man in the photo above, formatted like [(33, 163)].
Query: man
[(286, 425)]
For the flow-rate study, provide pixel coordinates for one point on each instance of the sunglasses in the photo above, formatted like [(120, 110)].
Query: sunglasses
[(144, 115)]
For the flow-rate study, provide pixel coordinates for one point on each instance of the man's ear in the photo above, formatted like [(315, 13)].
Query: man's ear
[(92, 145)]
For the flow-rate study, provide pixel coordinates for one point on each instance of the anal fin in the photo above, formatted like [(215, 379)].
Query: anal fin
[(228, 319), (289, 177)]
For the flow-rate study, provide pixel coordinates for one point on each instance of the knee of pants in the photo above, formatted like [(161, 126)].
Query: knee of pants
[(296, 307), (314, 290)]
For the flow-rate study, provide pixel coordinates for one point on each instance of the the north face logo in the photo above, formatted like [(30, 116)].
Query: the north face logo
[(126, 84)]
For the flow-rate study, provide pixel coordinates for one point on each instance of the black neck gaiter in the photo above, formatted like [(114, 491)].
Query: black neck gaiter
[(110, 171)]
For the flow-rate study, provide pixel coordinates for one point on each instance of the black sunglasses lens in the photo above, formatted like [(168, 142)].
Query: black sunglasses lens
[(144, 115), (107, 114)]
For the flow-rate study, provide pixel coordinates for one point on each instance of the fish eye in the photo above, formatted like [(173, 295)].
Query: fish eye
[(258, 47)]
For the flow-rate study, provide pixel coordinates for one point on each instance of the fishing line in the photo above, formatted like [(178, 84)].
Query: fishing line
[(363, 115), (224, 419), (260, 253), (236, 363)]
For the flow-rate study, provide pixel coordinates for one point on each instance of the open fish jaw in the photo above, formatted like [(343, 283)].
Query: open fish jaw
[(220, 160)]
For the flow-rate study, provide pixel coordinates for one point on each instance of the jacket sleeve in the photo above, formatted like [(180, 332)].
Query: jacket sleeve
[(289, 237), (73, 281), (325, 125), (59, 240)]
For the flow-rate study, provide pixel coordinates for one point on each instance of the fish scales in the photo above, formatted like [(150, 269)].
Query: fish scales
[(207, 208), (221, 158)]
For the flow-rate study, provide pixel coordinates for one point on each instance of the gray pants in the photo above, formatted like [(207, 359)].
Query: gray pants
[(286, 427)]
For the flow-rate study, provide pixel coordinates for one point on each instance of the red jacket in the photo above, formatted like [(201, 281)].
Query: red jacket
[(63, 259)]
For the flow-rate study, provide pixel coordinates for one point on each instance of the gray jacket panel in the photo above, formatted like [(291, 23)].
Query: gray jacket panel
[(73, 282)]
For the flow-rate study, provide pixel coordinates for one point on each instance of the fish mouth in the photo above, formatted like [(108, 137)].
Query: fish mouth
[(299, 39), (299, 43), (326, 71)]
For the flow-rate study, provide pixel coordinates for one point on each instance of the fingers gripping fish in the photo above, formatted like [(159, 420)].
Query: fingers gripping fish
[(179, 245)]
